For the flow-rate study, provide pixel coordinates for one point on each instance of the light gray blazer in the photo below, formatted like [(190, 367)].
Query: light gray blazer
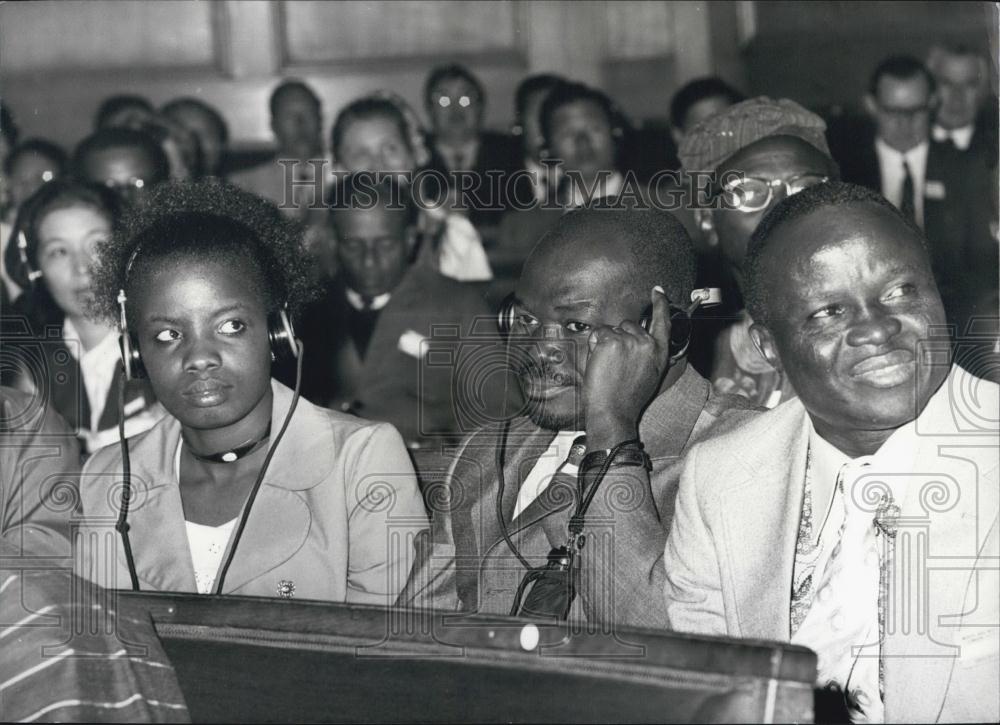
[(730, 552)]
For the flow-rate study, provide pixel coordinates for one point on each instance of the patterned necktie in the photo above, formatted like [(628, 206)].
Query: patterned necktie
[(853, 577), (908, 204)]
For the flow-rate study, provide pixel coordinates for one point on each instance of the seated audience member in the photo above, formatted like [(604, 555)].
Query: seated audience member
[(582, 129), (381, 134), (137, 113), (129, 162), (39, 478), (694, 102), (297, 124), (29, 165), (966, 114), (945, 192), (294, 178), (205, 275), (455, 101), (801, 526), (697, 101), (374, 325), (528, 99), (87, 679), (593, 380), (760, 150), (121, 109), (207, 125), (71, 359)]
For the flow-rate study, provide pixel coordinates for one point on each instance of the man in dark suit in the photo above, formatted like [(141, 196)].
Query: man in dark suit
[(945, 192), (587, 368), (392, 339), (455, 101), (967, 114)]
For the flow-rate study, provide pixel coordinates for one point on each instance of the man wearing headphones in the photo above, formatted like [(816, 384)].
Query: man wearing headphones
[(610, 408)]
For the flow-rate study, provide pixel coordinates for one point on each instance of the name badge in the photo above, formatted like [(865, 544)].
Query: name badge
[(934, 189), (411, 343)]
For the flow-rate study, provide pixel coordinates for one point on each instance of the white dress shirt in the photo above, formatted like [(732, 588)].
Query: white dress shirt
[(842, 624), (356, 301), (890, 164), (550, 463), (97, 368), (961, 137), (207, 545), (606, 186)]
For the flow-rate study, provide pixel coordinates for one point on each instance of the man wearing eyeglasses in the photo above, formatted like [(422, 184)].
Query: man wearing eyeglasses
[(761, 151), (945, 192), (455, 101)]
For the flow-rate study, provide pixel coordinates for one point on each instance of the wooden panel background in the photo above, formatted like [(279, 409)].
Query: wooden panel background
[(316, 32), (106, 34)]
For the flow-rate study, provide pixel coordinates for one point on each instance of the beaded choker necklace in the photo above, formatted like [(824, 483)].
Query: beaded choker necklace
[(233, 454)]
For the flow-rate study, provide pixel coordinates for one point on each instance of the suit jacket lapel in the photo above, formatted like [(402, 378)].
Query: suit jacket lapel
[(760, 518), (947, 531), (521, 453), (277, 528), (156, 516)]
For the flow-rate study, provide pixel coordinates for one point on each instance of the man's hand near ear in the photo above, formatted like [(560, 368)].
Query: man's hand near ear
[(624, 373)]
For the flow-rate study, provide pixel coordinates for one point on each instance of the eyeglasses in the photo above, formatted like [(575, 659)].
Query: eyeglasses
[(129, 184), (463, 101), (751, 194)]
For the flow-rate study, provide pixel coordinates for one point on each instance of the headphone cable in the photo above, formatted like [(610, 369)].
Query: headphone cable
[(122, 526), (263, 470)]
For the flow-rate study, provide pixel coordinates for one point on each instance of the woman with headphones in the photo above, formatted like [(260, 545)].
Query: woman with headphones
[(242, 488), (60, 353)]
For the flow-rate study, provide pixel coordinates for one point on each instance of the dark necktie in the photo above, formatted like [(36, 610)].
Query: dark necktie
[(362, 325), (908, 204)]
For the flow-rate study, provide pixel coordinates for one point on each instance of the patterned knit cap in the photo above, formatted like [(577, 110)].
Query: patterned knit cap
[(720, 136)]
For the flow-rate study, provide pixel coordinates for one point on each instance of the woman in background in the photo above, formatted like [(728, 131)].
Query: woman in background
[(59, 352)]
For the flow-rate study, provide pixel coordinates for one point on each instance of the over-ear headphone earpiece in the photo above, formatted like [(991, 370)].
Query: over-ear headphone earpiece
[(22, 253), (281, 333), (131, 360)]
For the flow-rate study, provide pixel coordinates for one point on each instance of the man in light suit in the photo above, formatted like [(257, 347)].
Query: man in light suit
[(587, 368), (861, 519)]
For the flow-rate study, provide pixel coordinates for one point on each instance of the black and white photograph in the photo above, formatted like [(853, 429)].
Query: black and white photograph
[(499, 361)]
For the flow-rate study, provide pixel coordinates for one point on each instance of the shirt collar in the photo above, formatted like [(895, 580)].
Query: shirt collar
[(358, 302), (915, 156), (898, 452), (607, 186), (106, 348), (962, 137)]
